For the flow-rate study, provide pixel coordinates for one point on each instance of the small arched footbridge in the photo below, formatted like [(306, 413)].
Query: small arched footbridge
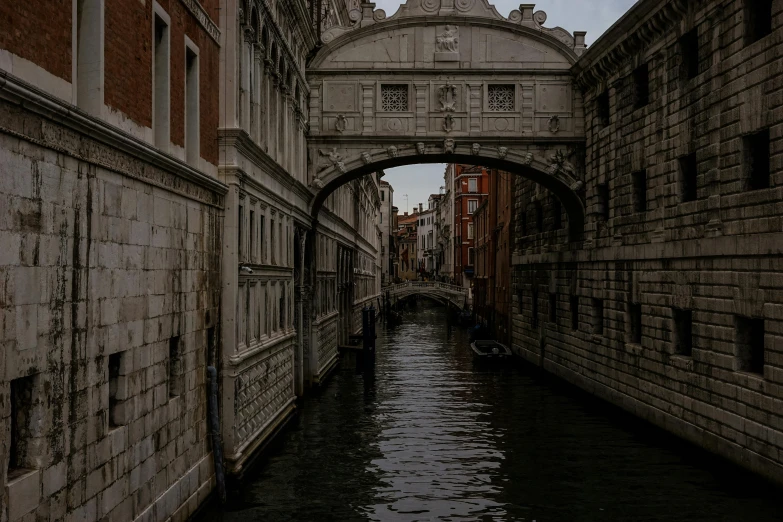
[(444, 292)]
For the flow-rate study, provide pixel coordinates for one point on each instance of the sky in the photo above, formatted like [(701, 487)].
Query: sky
[(419, 181)]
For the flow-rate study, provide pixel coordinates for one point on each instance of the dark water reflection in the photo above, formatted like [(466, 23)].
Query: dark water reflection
[(435, 439)]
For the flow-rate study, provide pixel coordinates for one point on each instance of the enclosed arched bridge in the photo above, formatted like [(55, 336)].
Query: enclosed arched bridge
[(443, 292)]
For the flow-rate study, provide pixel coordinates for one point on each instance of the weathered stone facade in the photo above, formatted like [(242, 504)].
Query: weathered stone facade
[(670, 306)]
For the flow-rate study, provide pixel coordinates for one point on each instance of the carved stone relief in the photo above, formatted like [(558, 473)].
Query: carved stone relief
[(554, 124), (448, 123), (447, 45), (447, 96), (448, 146)]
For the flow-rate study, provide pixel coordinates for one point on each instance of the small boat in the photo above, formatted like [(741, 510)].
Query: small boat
[(490, 350)]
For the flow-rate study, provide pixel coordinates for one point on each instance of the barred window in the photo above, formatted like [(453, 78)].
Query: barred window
[(500, 97), (394, 98)]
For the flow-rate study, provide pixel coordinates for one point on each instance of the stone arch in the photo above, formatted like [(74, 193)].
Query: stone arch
[(555, 173)]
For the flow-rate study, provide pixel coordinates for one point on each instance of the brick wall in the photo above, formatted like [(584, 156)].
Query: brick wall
[(50, 22), (671, 250)]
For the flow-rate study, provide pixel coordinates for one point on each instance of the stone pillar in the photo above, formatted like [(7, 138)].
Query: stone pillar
[(368, 110), (258, 76), (247, 65), (421, 107), (475, 107)]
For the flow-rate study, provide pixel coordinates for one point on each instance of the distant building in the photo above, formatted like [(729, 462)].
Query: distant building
[(406, 241), (445, 219), (386, 223), (471, 185)]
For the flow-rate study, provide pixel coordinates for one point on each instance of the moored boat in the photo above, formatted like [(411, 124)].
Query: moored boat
[(490, 350)]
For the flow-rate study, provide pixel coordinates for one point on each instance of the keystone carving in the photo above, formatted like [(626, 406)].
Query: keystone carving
[(335, 159), (366, 158), (554, 124), (341, 124), (392, 151), (475, 149), (448, 146), (420, 148), (502, 152), (448, 123), (447, 96)]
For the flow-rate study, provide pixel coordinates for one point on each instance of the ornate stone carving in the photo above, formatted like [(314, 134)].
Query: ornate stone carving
[(249, 34), (448, 123), (448, 146), (392, 151), (366, 158), (559, 164), (502, 152), (527, 159), (447, 41), (420, 148), (447, 96), (334, 159), (341, 124), (554, 124), (317, 183), (475, 149)]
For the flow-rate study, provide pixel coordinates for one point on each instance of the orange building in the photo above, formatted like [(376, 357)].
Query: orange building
[(471, 186)]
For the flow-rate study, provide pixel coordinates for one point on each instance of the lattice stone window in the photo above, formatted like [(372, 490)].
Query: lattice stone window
[(394, 98), (500, 98)]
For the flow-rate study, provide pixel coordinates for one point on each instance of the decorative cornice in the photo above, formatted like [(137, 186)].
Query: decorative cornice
[(203, 18), (75, 120), (644, 23)]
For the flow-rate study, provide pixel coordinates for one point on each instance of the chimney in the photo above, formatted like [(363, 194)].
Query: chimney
[(421, 208), (406, 214)]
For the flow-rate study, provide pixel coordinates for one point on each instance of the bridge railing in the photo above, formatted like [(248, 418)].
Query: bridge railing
[(426, 285)]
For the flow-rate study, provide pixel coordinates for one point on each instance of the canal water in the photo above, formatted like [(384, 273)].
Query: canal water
[(434, 438)]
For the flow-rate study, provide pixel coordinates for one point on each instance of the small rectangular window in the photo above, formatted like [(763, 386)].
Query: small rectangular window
[(394, 98), (161, 84), (534, 308), (240, 230), (192, 117), (89, 56), (683, 332), (641, 86), (750, 344), (251, 247), (639, 180), (603, 200), (756, 156), (281, 316), (539, 216), (472, 205), (383, 195), (574, 305), (261, 223), (557, 214), (689, 53), (598, 317), (175, 367), (472, 185), (523, 222), (602, 109), (471, 257), (758, 20), (118, 393), (21, 456), (635, 312), (501, 98), (552, 308), (520, 301), (470, 230), (273, 250), (688, 177)]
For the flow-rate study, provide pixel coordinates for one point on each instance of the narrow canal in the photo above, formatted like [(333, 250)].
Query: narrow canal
[(433, 438)]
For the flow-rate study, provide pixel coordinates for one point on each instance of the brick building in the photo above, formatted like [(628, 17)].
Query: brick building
[(493, 228), (108, 141), (671, 304), (471, 185), (406, 242)]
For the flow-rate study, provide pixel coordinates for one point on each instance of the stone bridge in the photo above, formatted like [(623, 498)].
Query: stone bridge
[(454, 294)]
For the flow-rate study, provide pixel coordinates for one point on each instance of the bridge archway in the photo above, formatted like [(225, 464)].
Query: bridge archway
[(445, 81)]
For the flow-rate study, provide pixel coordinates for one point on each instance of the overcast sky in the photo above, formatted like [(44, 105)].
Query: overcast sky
[(419, 181)]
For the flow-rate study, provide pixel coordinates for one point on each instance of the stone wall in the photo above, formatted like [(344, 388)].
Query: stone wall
[(671, 307), (109, 299)]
